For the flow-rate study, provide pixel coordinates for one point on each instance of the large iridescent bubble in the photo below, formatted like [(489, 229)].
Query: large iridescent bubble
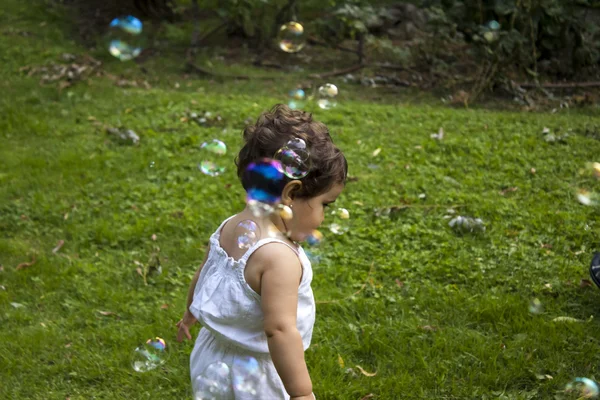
[(213, 157), (294, 158), (125, 37), (214, 383), (327, 96), (291, 37), (264, 183), (247, 233), (247, 375), (149, 355)]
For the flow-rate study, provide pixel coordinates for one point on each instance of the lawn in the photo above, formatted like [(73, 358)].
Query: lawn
[(433, 313)]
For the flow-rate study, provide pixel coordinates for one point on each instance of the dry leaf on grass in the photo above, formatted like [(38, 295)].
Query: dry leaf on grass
[(26, 264), (585, 283), (59, 245), (164, 306), (369, 396), (341, 361), (365, 373), (107, 313)]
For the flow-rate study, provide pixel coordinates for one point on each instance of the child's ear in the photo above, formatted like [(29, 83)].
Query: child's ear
[(289, 192)]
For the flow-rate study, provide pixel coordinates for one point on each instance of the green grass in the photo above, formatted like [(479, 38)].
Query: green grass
[(61, 178)]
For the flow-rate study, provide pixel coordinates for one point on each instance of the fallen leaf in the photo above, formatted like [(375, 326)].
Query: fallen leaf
[(365, 373), (369, 396), (341, 361), (66, 216), (164, 306), (585, 283), (26, 264), (68, 345), (106, 313), (376, 152), (139, 264), (532, 170), (1, 268), (399, 283), (507, 190), (139, 271), (429, 328), (154, 237), (17, 305), (546, 246), (566, 319), (59, 245), (24, 217), (43, 324)]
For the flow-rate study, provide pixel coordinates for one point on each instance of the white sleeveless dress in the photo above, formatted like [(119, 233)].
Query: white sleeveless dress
[(232, 319)]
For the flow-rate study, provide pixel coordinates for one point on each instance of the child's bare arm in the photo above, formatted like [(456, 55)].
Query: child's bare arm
[(279, 300)]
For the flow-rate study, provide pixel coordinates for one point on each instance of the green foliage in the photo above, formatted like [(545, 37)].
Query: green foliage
[(564, 35)]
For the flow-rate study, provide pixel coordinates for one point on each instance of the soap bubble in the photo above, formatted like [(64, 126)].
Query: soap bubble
[(214, 383), (247, 234), (493, 25), (339, 221), (327, 95), (462, 224), (150, 355), (213, 153), (297, 98), (536, 306), (125, 39), (315, 238), (247, 375), (582, 388), (264, 183), (589, 192), (291, 37), (294, 159)]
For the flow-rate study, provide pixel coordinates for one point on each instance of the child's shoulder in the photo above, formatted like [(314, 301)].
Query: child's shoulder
[(276, 252)]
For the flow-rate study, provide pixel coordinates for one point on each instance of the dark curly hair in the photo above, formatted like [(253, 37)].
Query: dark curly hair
[(275, 128)]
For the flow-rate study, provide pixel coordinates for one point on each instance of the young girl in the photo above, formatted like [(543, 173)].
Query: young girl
[(258, 302)]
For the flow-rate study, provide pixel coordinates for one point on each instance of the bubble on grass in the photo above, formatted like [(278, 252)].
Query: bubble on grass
[(214, 383), (264, 183), (536, 306), (291, 37), (327, 96), (588, 193), (582, 388), (213, 157), (247, 233), (125, 39), (152, 354), (247, 375), (463, 224), (294, 159), (297, 98), (340, 218)]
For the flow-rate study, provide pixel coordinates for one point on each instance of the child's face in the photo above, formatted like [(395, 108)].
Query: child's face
[(309, 213)]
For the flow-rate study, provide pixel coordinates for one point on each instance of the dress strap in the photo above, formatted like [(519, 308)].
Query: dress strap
[(217, 233), (261, 243)]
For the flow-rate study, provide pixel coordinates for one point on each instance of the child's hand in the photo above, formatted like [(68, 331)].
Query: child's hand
[(184, 325)]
